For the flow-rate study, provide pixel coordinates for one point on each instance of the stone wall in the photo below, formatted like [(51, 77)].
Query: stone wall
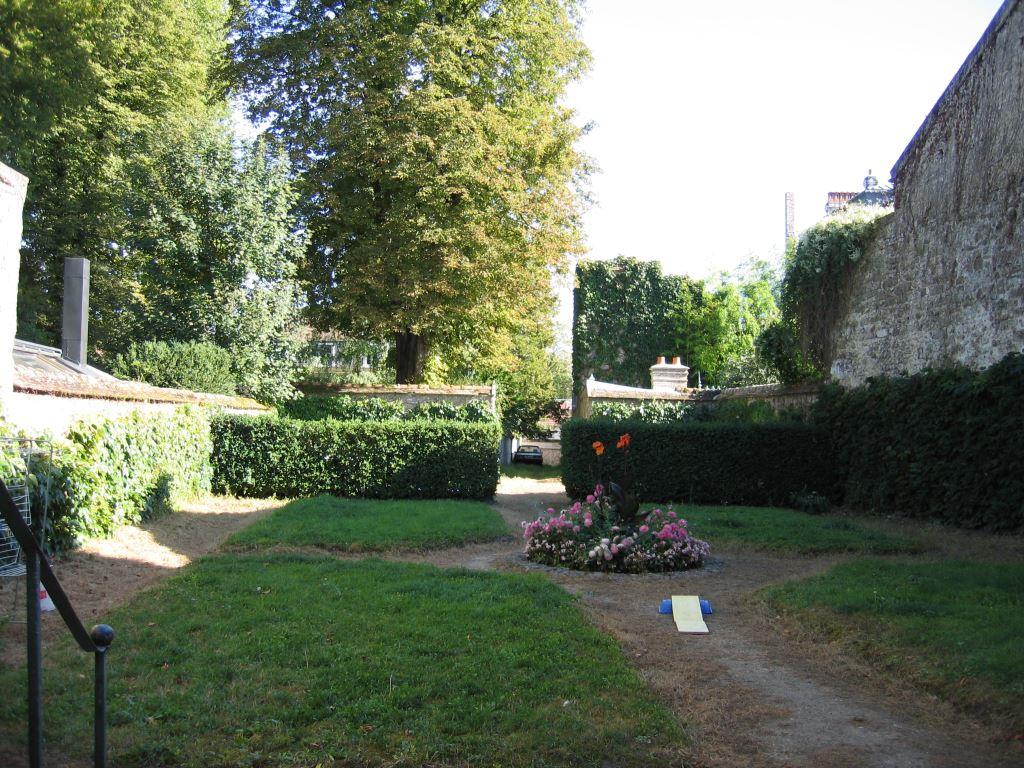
[(12, 197), (781, 397), (944, 281)]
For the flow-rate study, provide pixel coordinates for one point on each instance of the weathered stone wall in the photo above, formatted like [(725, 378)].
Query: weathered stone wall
[(944, 281), (781, 397), (12, 197)]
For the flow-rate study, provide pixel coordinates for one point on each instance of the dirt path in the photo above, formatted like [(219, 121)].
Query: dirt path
[(751, 695)]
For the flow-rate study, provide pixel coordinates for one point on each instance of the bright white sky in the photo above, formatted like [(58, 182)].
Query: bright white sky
[(706, 112)]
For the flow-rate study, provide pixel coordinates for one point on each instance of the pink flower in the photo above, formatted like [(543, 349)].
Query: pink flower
[(551, 510), (614, 549), (671, 513), (588, 522), (607, 555), (644, 529), (575, 529), (590, 499), (598, 489)]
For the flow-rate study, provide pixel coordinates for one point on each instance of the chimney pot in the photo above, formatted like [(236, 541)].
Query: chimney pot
[(676, 360), (75, 327)]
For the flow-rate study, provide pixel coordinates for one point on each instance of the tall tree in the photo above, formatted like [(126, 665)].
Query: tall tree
[(214, 251), (440, 175), (82, 82)]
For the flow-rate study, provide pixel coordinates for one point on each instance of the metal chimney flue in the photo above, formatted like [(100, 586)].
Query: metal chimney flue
[(75, 327)]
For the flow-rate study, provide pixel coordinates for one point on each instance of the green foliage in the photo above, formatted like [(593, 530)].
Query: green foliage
[(771, 529), (942, 445), (113, 472), (647, 411), (214, 248), (620, 320), (715, 463), (267, 456), (300, 656), (341, 408), (473, 412), (813, 289), (196, 365), (365, 525), (950, 626), (83, 87), (439, 172), (715, 327)]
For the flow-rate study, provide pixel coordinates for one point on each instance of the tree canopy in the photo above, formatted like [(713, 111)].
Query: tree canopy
[(439, 169)]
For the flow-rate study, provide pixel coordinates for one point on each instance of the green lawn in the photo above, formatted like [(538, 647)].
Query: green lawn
[(371, 525), (536, 471), (287, 660), (954, 626), (786, 530)]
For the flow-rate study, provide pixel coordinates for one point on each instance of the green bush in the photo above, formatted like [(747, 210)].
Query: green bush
[(473, 412), (703, 462), (649, 412), (267, 456), (111, 472), (341, 408), (943, 445), (196, 365)]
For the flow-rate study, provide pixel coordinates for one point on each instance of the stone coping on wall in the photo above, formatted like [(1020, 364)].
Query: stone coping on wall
[(40, 383), (769, 391)]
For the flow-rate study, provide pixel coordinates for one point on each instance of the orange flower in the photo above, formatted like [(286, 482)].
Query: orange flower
[(598, 447), (624, 441)]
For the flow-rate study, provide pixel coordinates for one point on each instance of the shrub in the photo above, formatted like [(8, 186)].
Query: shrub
[(267, 456), (590, 536), (944, 444), (473, 412), (341, 408), (109, 472), (196, 365), (650, 412), (705, 462)]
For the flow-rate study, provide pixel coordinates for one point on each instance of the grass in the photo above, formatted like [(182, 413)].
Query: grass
[(535, 471), (289, 660), (951, 625), (370, 525), (788, 531)]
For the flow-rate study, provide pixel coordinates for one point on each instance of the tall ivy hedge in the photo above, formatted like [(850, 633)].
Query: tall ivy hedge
[(114, 471), (700, 462), (945, 445), (620, 320), (268, 456)]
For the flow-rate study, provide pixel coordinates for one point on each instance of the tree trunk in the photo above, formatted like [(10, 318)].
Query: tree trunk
[(410, 354)]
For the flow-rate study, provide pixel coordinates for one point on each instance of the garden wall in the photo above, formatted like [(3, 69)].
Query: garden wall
[(944, 280), (409, 395)]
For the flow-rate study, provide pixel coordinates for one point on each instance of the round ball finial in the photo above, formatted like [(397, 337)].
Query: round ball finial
[(102, 635)]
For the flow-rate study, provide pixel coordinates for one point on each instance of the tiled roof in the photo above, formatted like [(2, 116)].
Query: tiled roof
[(41, 370)]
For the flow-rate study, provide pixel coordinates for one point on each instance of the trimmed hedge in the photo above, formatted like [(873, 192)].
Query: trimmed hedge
[(267, 456), (945, 445), (702, 462), (197, 365)]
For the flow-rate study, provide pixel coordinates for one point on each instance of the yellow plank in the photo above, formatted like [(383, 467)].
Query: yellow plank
[(686, 612)]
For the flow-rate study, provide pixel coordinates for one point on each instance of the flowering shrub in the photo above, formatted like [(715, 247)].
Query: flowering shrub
[(590, 536)]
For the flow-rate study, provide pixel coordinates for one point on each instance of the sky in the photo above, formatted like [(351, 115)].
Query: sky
[(705, 113)]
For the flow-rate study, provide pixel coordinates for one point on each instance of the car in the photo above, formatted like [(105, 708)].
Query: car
[(528, 454)]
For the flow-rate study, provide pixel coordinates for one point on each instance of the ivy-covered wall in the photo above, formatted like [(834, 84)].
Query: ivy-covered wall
[(620, 320)]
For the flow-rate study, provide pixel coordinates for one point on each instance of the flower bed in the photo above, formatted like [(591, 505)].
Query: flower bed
[(591, 536)]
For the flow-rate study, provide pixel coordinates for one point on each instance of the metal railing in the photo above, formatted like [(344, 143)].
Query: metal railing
[(96, 641)]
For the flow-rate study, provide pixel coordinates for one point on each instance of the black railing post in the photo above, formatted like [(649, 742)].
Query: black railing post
[(34, 658), (102, 636)]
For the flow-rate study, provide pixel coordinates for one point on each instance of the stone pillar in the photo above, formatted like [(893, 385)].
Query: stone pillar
[(12, 199)]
